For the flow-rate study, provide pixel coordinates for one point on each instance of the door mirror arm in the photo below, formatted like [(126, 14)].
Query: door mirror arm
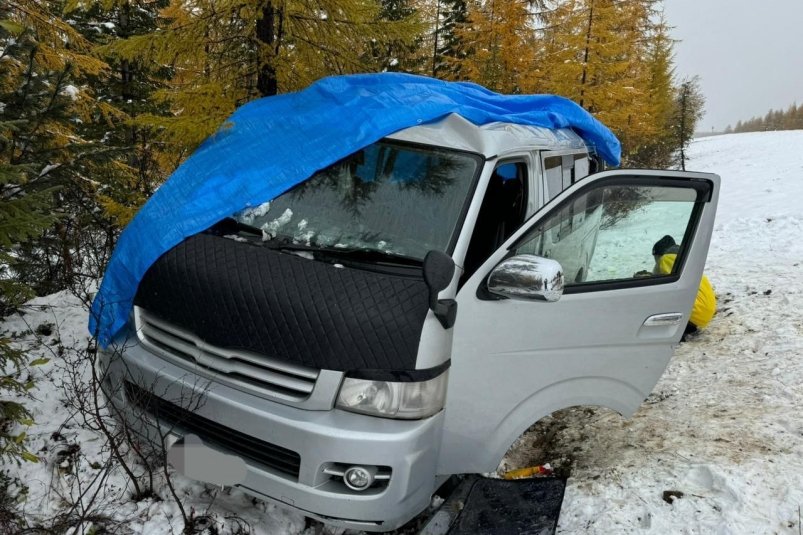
[(438, 273)]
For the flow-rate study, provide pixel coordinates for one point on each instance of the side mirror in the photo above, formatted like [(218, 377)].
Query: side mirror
[(527, 276), (438, 274)]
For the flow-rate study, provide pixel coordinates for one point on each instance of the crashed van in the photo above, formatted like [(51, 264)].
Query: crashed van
[(407, 312)]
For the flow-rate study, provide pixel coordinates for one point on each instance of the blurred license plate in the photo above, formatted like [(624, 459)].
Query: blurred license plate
[(195, 460)]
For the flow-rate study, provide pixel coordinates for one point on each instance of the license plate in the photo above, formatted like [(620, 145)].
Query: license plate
[(195, 460)]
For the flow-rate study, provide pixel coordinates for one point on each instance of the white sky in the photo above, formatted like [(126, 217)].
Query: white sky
[(749, 55)]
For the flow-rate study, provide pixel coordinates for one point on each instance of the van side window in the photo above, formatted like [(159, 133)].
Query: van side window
[(581, 167), (563, 171), (607, 233), (501, 214), (554, 175), (568, 170)]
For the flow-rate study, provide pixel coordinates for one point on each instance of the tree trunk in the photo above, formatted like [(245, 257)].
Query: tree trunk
[(267, 84), (586, 53), (435, 46), (683, 112)]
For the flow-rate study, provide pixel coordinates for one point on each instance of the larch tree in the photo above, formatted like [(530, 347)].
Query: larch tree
[(657, 150), (596, 53), (223, 53), (495, 45)]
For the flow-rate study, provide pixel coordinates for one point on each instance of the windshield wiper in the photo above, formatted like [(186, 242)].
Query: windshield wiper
[(375, 255), (229, 225), (363, 254)]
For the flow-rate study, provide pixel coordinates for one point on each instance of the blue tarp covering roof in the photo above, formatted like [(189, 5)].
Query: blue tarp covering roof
[(269, 145)]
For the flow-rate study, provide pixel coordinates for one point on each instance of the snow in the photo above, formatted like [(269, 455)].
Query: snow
[(236, 238), (272, 227), (722, 427), (70, 91), (49, 167), (249, 214)]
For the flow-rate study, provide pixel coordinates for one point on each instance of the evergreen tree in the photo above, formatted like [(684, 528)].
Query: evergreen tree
[(223, 53), (496, 45), (791, 119), (127, 87), (788, 118), (688, 111), (656, 150), (448, 51), (401, 54), (40, 108), (597, 53), (406, 52), (26, 207)]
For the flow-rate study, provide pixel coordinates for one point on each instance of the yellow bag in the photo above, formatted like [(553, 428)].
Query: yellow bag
[(705, 304)]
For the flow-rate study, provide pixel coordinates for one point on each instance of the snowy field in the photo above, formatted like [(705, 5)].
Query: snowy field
[(723, 427), (724, 424)]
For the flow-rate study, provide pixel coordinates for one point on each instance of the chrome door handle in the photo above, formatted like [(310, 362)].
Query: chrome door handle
[(662, 320)]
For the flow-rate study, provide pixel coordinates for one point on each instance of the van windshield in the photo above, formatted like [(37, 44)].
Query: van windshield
[(390, 197)]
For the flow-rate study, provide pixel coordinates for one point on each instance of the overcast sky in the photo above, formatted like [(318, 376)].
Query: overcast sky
[(749, 55)]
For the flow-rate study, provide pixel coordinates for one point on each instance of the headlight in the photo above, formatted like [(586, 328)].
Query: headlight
[(388, 399)]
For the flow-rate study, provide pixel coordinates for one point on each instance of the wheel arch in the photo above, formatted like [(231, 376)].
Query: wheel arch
[(606, 392)]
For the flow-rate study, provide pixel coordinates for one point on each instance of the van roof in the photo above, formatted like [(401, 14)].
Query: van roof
[(492, 139)]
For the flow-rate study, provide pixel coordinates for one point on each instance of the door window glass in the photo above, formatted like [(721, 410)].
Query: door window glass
[(608, 233)]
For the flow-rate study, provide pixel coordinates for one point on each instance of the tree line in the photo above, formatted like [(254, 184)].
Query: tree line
[(100, 100), (789, 119)]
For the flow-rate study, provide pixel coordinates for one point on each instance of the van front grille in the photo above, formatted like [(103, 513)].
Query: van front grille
[(213, 433), (245, 370)]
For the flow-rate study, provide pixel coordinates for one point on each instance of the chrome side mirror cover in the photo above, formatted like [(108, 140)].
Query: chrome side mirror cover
[(527, 276)]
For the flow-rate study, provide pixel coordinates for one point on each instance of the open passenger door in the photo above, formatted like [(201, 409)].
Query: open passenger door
[(610, 335)]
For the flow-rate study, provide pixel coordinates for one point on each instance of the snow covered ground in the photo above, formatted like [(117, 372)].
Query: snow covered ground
[(723, 427), (724, 424)]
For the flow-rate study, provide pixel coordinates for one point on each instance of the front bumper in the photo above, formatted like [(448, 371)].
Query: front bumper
[(320, 438)]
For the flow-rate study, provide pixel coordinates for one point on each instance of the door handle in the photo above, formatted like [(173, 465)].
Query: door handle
[(663, 320)]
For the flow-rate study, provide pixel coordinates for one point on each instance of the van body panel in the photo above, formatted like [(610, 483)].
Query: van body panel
[(491, 139), (515, 361)]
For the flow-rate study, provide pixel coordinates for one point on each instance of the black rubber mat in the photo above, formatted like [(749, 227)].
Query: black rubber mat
[(499, 507)]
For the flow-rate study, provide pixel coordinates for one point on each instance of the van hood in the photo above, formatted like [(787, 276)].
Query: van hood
[(249, 297)]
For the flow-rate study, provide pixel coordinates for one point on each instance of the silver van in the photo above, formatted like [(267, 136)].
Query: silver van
[(407, 313)]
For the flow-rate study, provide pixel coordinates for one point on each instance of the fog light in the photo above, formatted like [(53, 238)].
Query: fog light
[(358, 478)]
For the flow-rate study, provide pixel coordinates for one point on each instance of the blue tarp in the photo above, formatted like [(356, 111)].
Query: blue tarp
[(269, 145)]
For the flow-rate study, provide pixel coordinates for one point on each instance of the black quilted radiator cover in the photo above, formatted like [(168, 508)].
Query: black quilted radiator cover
[(244, 296)]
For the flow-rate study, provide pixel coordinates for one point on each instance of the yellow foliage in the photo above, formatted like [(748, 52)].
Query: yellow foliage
[(59, 44), (498, 44), (595, 52), (215, 56)]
